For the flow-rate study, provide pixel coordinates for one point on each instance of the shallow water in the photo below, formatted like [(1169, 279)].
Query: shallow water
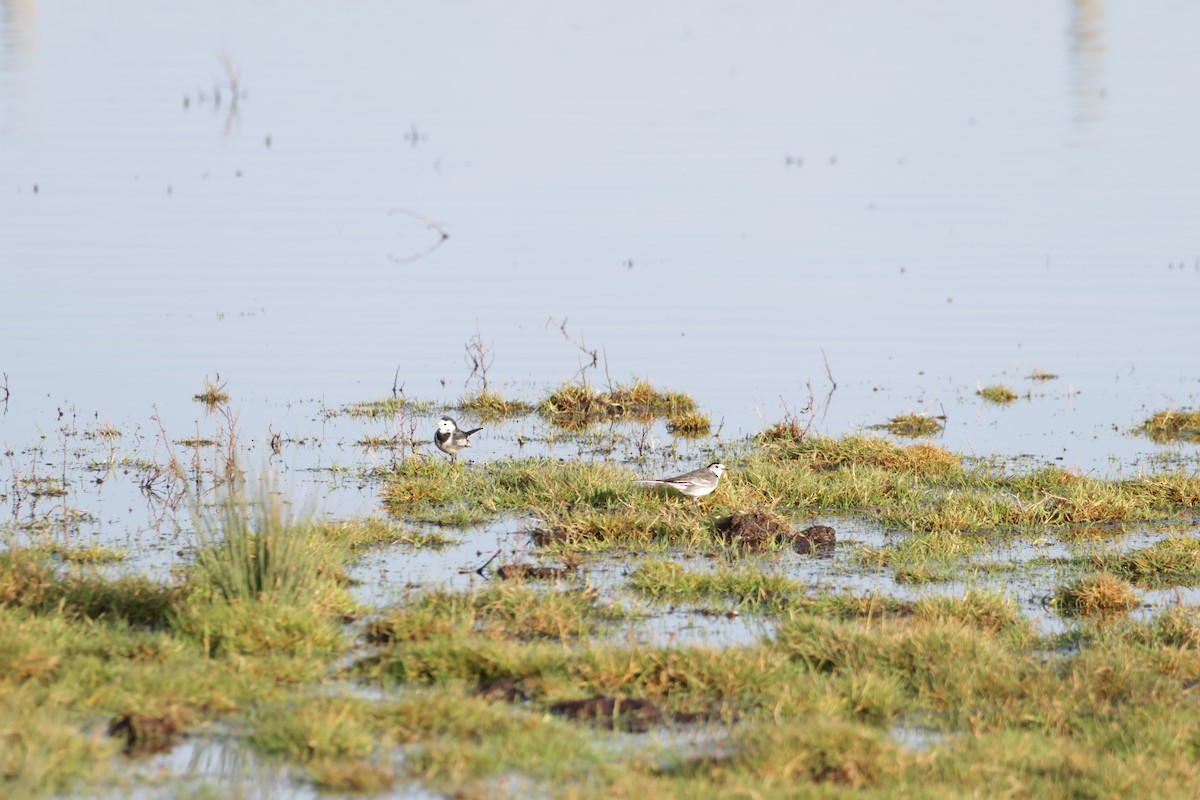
[(930, 195)]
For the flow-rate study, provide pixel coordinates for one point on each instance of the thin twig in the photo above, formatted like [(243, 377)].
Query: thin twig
[(828, 372), (480, 571), (592, 354), (480, 357), (397, 393)]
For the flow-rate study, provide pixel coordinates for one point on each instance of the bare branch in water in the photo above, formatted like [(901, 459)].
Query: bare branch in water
[(593, 355)]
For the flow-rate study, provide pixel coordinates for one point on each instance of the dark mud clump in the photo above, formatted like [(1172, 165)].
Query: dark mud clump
[(753, 530), (144, 734), (530, 572), (819, 539), (631, 714), (502, 690)]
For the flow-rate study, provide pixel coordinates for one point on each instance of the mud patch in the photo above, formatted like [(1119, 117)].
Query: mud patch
[(752, 530), (144, 734), (818, 539)]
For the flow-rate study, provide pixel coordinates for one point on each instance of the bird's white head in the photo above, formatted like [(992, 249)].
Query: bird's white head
[(446, 425), (717, 468)]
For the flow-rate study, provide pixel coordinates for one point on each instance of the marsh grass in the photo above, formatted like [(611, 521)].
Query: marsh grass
[(214, 393), (925, 558), (252, 635), (85, 553), (1173, 561), (382, 408), (575, 405), (1169, 425), (749, 589), (489, 405), (924, 488), (913, 425), (814, 703), (362, 534), (251, 551), (997, 393), (645, 528), (509, 610), (1097, 594), (689, 423)]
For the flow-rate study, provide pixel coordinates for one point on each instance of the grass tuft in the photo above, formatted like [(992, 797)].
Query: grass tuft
[(214, 393), (251, 551), (575, 405), (913, 425), (1171, 562), (997, 393), (1097, 594), (689, 423), (1170, 425), (490, 405)]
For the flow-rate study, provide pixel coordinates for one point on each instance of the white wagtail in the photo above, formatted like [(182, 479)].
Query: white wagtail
[(451, 439), (694, 484)]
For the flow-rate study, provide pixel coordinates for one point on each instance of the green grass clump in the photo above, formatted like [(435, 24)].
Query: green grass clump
[(823, 752), (313, 727), (689, 423), (381, 408), (823, 454), (490, 405), (924, 488), (574, 405), (1097, 594), (586, 529), (1170, 425), (85, 553), (27, 580), (509, 610), (251, 551), (925, 558), (913, 425), (997, 393), (1171, 562), (540, 484), (214, 393), (363, 534), (747, 588)]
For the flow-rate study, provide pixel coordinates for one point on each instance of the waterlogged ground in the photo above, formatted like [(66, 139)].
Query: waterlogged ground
[(944, 308), (462, 623)]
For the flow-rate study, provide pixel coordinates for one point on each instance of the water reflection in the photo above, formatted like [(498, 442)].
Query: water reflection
[(1087, 31)]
